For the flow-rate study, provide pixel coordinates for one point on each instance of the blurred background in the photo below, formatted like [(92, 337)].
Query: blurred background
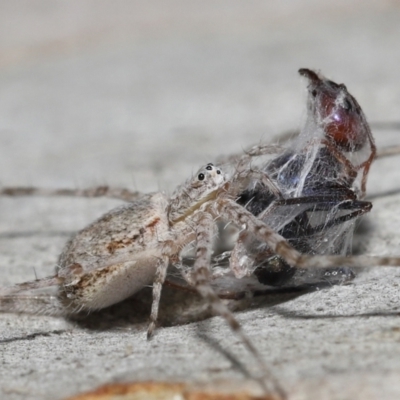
[(140, 93)]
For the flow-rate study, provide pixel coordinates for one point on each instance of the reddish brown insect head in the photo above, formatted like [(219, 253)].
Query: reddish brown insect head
[(337, 111)]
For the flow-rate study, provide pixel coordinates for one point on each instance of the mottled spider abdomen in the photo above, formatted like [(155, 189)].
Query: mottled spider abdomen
[(114, 257)]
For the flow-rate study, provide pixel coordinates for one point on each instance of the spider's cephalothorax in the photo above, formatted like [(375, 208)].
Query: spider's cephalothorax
[(189, 197)]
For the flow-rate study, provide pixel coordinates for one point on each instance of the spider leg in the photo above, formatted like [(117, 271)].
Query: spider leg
[(31, 285), (169, 254), (97, 191), (260, 178), (43, 304), (206, 231), (241, 217), (323, 261), (256, 151), (161, 273), (185, 271), (245, 158), (20, 298), (241, 263), (294, 258)]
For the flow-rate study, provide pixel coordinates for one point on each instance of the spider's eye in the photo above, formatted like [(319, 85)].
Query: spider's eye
[(218, 171), (314, 93), (209, 167), (200, 177)]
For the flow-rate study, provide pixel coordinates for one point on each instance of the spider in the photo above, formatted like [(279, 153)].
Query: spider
[(132, 246)]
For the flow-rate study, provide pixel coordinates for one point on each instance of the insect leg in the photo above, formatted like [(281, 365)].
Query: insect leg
[(318, 203), (359, 208)]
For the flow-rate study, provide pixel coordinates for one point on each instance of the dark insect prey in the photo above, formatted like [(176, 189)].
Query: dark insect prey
[(321, 180)]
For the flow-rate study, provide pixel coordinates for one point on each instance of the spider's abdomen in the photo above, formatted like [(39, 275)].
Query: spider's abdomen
[(117, 255)]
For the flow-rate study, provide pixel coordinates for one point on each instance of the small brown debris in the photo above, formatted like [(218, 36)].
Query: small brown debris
[(164, 391)]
